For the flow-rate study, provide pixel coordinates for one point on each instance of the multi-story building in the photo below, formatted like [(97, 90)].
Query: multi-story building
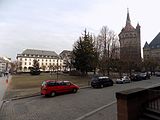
[(47, 60), (66, 56), (5, 64), (152, 51), (130, 42)]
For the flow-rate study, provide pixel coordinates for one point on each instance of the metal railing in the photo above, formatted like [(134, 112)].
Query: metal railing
[(153, 99)]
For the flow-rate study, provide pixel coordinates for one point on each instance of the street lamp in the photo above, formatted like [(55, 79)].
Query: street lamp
[(57, 68)]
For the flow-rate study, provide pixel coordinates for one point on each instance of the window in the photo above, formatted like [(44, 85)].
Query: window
[(62, 83), (25, 59), (51, 84), (68, 83)]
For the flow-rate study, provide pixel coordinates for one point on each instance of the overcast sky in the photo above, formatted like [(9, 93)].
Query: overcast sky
[(57, 24)]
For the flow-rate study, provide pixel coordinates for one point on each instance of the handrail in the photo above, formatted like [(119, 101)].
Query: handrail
[(153, 99)]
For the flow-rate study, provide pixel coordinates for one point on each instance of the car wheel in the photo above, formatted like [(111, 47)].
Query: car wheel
[(74, 90), (102, 86), (53, 94)]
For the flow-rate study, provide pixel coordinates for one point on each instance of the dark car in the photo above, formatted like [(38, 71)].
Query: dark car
[(53, 87), (100, 82), (135, 77)]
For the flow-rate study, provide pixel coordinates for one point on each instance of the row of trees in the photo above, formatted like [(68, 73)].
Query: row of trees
[(99, 53), (91, 53), (102, 53)]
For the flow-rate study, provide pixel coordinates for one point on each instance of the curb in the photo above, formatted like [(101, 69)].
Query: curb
[(32, 95), (85, 87)]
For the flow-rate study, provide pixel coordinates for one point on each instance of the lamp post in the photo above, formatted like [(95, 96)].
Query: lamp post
[(57, 68)]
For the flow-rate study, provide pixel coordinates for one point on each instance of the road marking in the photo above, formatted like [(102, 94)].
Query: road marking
[(96, 110)]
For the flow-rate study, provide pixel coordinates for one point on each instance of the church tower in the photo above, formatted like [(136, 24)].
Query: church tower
[(130, 42)]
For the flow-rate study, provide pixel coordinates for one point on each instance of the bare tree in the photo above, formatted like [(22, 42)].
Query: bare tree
[(107, 43)]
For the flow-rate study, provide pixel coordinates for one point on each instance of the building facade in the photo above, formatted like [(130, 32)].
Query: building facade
[(5, 65), (65, 55), (130, 42), (152, 51), (48, 60)]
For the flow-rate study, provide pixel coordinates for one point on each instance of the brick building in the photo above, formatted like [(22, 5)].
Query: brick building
[(130, 42)]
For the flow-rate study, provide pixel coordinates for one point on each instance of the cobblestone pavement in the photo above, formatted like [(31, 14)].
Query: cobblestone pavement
[(70, 106)]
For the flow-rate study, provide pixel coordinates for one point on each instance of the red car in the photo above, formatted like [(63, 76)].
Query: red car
[(53, 87)]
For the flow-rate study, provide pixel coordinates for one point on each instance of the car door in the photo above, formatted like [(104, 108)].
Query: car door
[(69, 86), (105, 81), (53, 86), (64, 87)]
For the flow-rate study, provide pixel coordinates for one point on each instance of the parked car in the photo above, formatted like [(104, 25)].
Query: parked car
[(144, 76), (157, 74), (124, 79), (53, 87), (101, 81), (135, 77)]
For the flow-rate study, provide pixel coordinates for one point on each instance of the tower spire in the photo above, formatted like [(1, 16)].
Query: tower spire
[(128, 21)]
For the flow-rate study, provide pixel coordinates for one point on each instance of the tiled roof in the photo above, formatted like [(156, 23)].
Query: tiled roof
[(146, 45), (65, 53), (155, 43), (39, 52)]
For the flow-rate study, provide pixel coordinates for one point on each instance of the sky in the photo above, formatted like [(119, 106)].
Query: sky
[(56, 25)]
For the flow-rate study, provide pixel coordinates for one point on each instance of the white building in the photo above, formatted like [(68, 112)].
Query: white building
[(5, 64), (48, 60)]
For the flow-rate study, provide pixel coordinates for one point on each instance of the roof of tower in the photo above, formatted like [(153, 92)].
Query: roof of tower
[(155, 43), (128, 20), (128, 26)]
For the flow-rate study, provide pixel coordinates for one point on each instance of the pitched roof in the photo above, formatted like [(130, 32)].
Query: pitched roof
[(40, 52), (65, 53), (155, 43), (146, 45)]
